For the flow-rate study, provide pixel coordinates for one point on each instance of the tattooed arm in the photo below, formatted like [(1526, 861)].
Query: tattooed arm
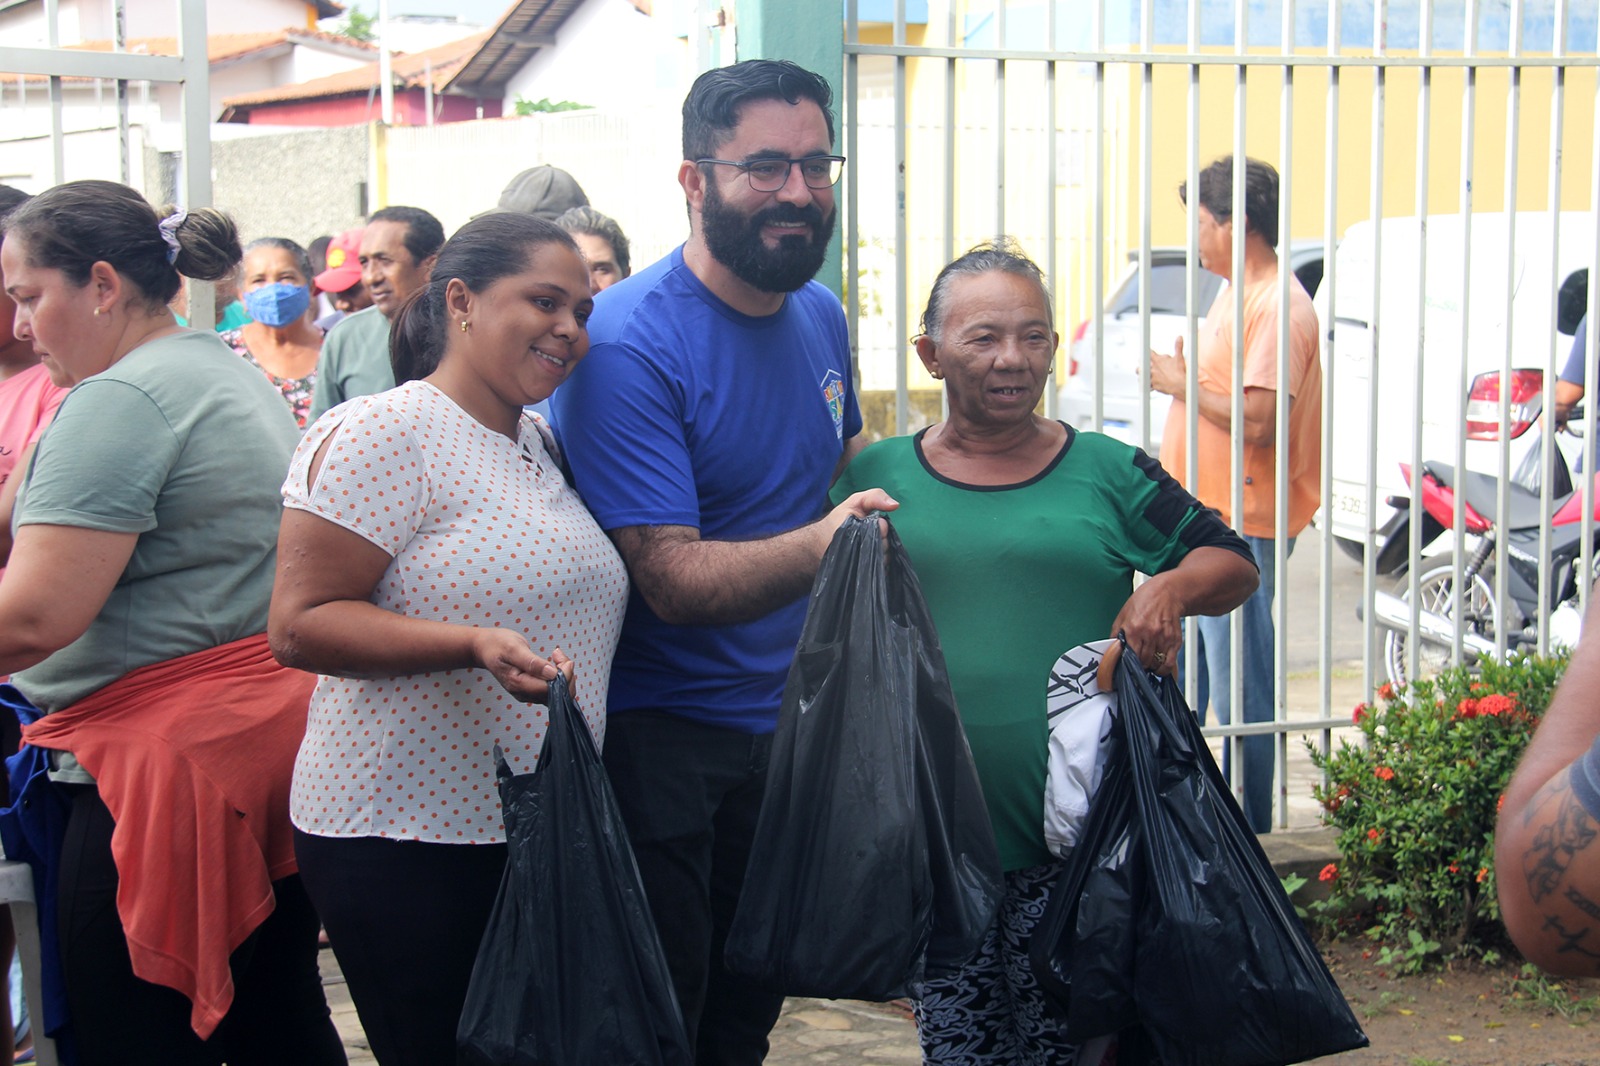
[(1547, 840)]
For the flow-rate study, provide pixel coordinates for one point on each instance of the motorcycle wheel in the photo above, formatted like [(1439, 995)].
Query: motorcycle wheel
[(1434, 588)]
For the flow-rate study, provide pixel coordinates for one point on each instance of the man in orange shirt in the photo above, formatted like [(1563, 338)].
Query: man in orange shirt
[(1258, 274)]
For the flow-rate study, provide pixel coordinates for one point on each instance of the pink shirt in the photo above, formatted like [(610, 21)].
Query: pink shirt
[(28, 402)]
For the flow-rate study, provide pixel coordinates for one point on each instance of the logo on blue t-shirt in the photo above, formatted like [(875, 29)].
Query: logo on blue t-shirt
[(833, 393)]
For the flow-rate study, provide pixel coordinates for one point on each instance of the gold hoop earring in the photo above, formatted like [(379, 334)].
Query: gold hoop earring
[(97, 312), (463, 325), (936, 375)]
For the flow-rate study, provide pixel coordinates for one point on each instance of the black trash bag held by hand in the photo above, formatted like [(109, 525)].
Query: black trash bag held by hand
[(1209, 964), (570, 969), (874, 864)]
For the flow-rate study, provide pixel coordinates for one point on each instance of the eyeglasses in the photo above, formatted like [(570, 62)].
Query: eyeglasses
[(770, 175)]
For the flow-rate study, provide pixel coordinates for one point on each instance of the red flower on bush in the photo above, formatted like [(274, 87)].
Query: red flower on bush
[(1497, 705), (1386, 691), (1483, 874), (1454, 868), (1359, 713), (1329, 872), (1373, 835), (1467, 708), (1384, 773)]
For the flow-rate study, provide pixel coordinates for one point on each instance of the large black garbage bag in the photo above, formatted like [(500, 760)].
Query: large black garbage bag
[(1221, 972), (874, 864), (570, 969)]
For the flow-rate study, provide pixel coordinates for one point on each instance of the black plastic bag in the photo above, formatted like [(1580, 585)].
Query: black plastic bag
[(570, 969), (1208, 962), (874, 863)]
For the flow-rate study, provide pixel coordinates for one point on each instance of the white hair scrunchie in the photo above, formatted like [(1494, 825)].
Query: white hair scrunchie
[(169, 232)]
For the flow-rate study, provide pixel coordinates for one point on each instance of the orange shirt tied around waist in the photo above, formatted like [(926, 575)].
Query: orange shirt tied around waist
[(193, 758)]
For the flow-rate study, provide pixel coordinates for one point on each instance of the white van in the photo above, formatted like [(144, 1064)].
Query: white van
[(1495, 269)]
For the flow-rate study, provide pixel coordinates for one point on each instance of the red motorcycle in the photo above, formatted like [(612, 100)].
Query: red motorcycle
[(1480, 613)]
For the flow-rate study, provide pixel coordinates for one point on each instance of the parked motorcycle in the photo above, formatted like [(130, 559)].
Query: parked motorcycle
[(1438, 486)]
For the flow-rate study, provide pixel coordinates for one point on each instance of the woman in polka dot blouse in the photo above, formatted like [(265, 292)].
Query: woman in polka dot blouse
[(437, 570)]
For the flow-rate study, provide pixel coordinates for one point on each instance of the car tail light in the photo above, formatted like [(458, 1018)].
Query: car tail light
[(1483, 403)]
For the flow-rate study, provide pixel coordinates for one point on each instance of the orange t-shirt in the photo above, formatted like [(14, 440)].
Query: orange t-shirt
[(1215, 368)]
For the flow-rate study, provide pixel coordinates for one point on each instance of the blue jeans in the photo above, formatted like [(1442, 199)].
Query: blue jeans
[(1258, 688)]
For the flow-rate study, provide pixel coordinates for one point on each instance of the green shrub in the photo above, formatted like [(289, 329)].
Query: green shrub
[(1415, 805)]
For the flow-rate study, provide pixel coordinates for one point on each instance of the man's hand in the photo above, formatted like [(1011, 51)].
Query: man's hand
[(1169, 373)]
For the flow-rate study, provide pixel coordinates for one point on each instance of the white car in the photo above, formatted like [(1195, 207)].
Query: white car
[(1125, 393), (1498, 276)]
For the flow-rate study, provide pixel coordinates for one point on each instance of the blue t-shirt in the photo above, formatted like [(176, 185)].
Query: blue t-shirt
[(1577, 360), (689, 413), (1586, 777)]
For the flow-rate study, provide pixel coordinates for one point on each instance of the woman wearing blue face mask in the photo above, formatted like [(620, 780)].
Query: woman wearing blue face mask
[(280, 338)]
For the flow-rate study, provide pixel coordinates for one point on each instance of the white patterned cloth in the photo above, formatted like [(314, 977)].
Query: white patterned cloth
[(483, 531)]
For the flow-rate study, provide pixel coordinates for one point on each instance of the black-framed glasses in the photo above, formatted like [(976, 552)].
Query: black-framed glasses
[(770, 175)]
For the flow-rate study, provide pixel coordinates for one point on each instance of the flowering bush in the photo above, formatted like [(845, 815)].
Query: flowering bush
[(1415, 803)]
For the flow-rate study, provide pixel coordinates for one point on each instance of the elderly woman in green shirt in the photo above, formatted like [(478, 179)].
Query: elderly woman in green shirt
[(1026, 535)]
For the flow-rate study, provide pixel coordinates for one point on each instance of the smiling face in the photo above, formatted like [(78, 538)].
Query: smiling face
[(994, 348), (56, 316), (526, 332), (773, 241), (387, 267)]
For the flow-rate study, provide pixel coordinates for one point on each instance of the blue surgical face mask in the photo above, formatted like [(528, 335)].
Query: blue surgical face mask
[(277, 304)]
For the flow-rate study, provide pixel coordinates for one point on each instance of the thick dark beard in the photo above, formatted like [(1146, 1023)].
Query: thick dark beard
[(734, 240)]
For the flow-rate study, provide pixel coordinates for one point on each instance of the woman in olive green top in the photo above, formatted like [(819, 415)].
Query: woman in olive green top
[(1026, 535)]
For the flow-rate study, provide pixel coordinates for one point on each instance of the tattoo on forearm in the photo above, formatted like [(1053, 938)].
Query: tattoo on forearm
[(1570, 939), (1583, 903), (1556, 844)]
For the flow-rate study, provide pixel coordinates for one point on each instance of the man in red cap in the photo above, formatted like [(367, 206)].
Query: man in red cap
[(342, 280)]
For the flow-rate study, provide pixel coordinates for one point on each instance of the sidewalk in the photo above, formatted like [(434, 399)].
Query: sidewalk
[(814, 1032)]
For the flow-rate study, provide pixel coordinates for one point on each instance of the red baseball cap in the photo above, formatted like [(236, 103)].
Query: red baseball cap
[(344, 262)]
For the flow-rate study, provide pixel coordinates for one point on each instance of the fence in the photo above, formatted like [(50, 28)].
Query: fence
[(1069, 126)]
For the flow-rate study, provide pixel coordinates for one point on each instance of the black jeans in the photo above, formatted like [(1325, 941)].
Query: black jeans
[(405, 919), (690, 795), (278, 1014)]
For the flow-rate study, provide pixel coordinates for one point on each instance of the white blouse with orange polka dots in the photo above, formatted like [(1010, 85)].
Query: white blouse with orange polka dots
[(483, 532)]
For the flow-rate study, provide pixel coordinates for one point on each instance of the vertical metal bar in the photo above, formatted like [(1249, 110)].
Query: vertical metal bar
[(1547, 440), (902, 394), (1414, 542), (1000, 122), (1591, 377), (852, 186), (119, 20), (58, 148), (385, 65), (1191, 325), (1458, 518), (1502, 503), (1330, 279), (1369, 576), (1237, 282), (1052, 394), (196, 139), (1280, 502), (949, 167), (1146, 198), (1098, 252)]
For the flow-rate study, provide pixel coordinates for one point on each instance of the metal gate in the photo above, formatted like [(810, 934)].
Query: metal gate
[(1064, 123)]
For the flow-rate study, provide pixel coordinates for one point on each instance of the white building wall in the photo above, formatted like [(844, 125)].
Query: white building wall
[(610, 56)]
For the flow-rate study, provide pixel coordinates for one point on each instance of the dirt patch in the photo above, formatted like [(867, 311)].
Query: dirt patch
[(1467, 1015)]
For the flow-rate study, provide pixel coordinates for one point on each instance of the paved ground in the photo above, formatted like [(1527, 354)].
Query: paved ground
[(817, 1032)]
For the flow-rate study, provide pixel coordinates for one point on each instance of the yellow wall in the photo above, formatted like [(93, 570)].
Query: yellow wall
[(1028, 183)]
